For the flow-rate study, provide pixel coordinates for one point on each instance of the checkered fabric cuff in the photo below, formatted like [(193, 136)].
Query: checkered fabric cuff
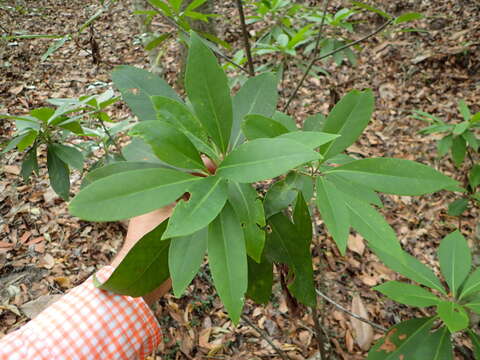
[(87, 323)]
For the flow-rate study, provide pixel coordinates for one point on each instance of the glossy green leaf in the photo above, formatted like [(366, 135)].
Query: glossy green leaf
[(361, 192), (137, 85), (407, 17), (444, 145), (348, 118), (249, 210), (455, 260), (260, 280), (457, 207), (169, 144), (143, 269), (282, 194), (471, 285), (453, 315), (312, 139), (476, 343), (115, 168), (27, 140), (285, 120), (111, 198), (408, 294), (459, 150), (69, 155), (228, 261), (461, 128), (464, 110), (471, 139), (394, 176), (285, 245), (29, 163), (334, 212), (262, 159), (207, 198), (185, 256), (257, 126), (407, 340), (474, 305), (58, 173), (207, 87), (257, 96)]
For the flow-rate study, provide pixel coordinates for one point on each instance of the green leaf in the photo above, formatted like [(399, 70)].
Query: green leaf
[(169, 144), (460, 128), (143, 269), (348, 118), (260, 280), (58, 173), (262, 159), (282, 194), (249, 210), (139, 151), (407, 17), (115, 168), (408, 294), (30, 163), (257, 96), (69, 155), (459, 150), (471, 285), (476, 343), (285, 245), (228, 261), (285, 120), (27, 140), (475, 306), (464, 110), (412, 339), (444, 145), (474, 176), (314, 122), (362, 5), (455, 260), (185, 256), (361, 192), (111, 198), (311, 139), (137, 85), (334, 212), (302, 219), (152, 44), (394, 176), (471, 139), (453, 315), (207, 87), (207, 198), (382, 240), (457, 207), (178, 115), (258, 126)]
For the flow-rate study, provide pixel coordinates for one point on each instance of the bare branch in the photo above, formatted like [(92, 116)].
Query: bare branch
[(279, 351), (376, 326), (246, 42)]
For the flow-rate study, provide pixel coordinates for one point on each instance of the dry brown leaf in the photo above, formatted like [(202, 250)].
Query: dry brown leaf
[(363, 332), (11, 169), (47, 261), (356, 244)]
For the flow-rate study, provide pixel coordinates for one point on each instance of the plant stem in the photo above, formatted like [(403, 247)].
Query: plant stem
[(312, 56), (319, 333), (246, 42), (279, 351), (110, 137), (358, 317), (341, 48)]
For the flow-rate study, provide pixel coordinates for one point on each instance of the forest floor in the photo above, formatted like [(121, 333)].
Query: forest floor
[(44, 251)]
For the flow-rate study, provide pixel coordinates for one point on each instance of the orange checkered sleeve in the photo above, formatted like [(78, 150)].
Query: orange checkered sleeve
[(86, 323)]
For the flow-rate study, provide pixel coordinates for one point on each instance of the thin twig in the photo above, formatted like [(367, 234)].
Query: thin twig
[(379, 327), (246, 42), (110, 137), (341, 48), (312, 56), (319, 333), (216, 51), (279, 351)]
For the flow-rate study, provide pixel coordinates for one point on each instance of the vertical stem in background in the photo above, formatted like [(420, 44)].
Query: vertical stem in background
[(319, 334), (313, 56), (246, 42)]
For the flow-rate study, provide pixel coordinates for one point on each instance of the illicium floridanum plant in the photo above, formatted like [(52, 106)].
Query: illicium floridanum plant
[(225, 217)]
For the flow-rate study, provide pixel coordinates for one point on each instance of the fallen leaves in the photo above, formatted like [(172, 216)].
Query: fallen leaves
[(363, 332)]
